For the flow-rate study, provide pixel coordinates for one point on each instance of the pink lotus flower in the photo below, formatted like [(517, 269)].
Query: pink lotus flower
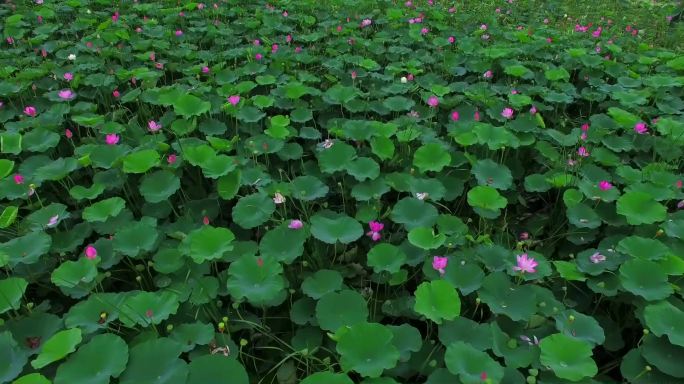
[(408, 4), (274, 48), (68, 133), (200, 6), (680, 204), (258, 56), (205, 69), (546, 21), (10, 40), (278, 198), (288, 38), (179, 32), (605, 185), (585, 127), (375, 228), (524, 236), (533, 110), (285, 14), (366, 22), (115, 17), (439, 263), (153, 126), (30, 111), (477, 116), (327, 144), (433, 101), (424, 31), (234, 100), (597, 32), (159, 65), (66, 94), (116, 94), (525, 264), (409, 77), (507, 113), (295, 224), (256, 42), (597, 258), (455, 116), (353, 75), (53, 221), (483, 27), (339, 28), (583, 136), (298, 49), (112, 139), (549, 40), (205, 220), (679, 184), (171, 159), (640, 128), (451, 39), (488, 74), (90, 252), (68, 76), (582, 152), (18, 179), (514, 91)]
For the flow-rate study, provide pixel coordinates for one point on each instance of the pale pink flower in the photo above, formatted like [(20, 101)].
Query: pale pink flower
[(507, 113), (234, 99), (200, 6), (409, 77), (582, 152), (68, 76), (295, 224), (455, 116), (546, 21), (640, 128), (279, 198), (153, 126), (605, 185), (477, 115), (18, 179), (680, 204), (483, 27), (30, 111), (525, 264), (112, 139), (257, 42), (288, 38), (533, 110), (583, 136), (53, 221), (488, 74), (424, 31), (66, 94), (452, 9), (433, 101), (274, 48), (597, 258), (439, 263), (327, 143), (514, 91), (285, 14), (90, 252), (366, 22), (353, 75)]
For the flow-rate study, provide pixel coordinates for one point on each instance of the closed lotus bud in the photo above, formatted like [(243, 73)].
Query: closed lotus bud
[(169, 328), (648, 368), (404, 80)]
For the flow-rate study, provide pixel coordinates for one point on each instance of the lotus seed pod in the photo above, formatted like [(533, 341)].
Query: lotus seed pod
[(531, 380), (571, 318), (169, 328), (138, 279), (646, 331), (648, 368), (478, 301), (224, 319), (243, 342), (533, 371)]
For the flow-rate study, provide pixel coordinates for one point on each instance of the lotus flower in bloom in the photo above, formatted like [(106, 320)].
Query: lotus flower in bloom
[(278, 198), (424, 31), (18, 179), (477, 116), (153, 126), (451, 39), (295, 224), (488, 74), (439, 263), (582, 152), (116, 94), (234, 99), (68, 76), (455, 116), (533, 110), (433, 101), (507, 113), (597, 258), (258, 56), (525, 264), (90, 252), (66, 94), (53, 221), (375, 228), (605, 185), (366, 22), (30, 111), (179, 32), (112, 139), (205, 69), (640, 128)]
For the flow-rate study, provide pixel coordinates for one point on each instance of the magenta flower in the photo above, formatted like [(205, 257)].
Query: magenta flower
[(597, 258), (488, 74), (90, 252), (583, 136), (640, 128), (585, 127), (455, 116), (68, 76), (285, 13), (66, 94), (234, 100), (375, 228), (18, 179), (171, 159), (582, 152), (288, 38), (257, 42), (153, 126), (679, 184), (507, 113), (30, 111), (477, 116), (179, 32), (68, 133), (525, 264), (424, 31), (112, 139), (205, 69), (597, 32), (451, 39), (298, 49), (533, 110), (274, 48), (116, 94), (295, 224), (605, 185), (439, 264), (433, 101), (258, 56), (353, 75)]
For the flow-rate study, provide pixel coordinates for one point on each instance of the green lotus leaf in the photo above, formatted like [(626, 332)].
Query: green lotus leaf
[(386, 258), (57, 347), (207, 243), (191, 334), (155, 360), (283, 244), (468, 363), (339, 94), (336, 158), (330, 227), (229, 184), (8, 216), (257, 280), (437, 300), (216, 368), (253, 210), (340, 309), (643, 248), (367, 349), (159, 186), (502, 297), (414, 213), (569, 358), (580, 326), (140, 161), (11, 291), (145, 308), (363, 168), (27, 249), (322, 282), (32, 378), (327, 378), (663, 318), (646, 279), (489, 173), (308, 188), (431, 157), (190, 105), (137, 237), (6, 167), (103, 357), (12, 356), (103, 209), (426, 238)]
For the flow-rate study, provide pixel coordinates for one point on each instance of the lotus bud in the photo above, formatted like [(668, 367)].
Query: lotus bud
[(169, 328), (243, 342)]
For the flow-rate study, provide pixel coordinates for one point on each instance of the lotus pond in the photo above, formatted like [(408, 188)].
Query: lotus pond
[(341, 192)]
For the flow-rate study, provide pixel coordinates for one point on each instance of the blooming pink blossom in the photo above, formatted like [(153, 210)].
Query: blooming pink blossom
[(90, 252), (451, 39), (205, 69), (18, 179), (507, 113), (597, 258), (285, 14), (53, 221), (640, 128), (409, 77), (424, 31), (583, 136), (525, 264), (455, 116), (679, 184), (353, 75), (112, 139), (30, 111), (439, 263), (205, 220), (258, 56), (279, 198), (433, 101), (298, 49), (66, 94), (68, 133), (533, 110), (288, 38), (171, 159), (153, 126), (366, 22), (274, 48), (488, 74), (115, 16), (295, 224), (680, 204), (234, 99), (546, 21), (605, 185), (582, 152), (597, 32), (452, 10), (200, 6), (179, 32), (483, 27), (375, 228), (116, 94), (585, 127), (256, 42), (68, 76)]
